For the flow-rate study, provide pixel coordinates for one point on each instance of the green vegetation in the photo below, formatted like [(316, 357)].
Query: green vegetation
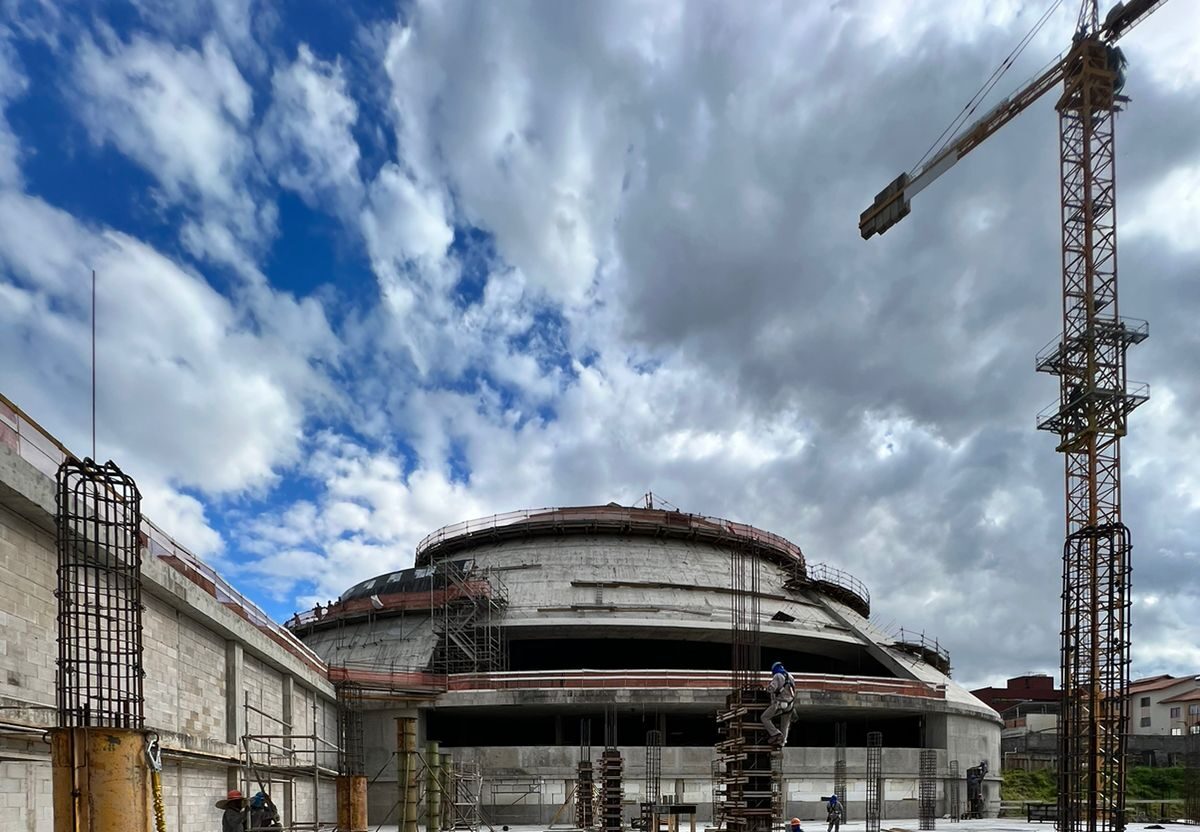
[(1141, 783), (1033, 786)]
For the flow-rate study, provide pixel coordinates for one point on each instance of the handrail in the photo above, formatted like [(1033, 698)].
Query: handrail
[(825, 574), (607, 516), (43, 451)]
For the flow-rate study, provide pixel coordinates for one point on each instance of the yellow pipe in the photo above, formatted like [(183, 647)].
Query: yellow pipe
[(100, 780)]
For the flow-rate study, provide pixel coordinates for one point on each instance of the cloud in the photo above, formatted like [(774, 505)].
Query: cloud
[(191, 385), (184, 116), (306, 137), (13, 85), (615, 250)]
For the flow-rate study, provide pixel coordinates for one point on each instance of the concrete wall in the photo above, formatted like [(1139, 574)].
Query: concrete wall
[(201, 662)]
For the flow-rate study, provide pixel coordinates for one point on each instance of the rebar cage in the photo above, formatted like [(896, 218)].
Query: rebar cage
[(352, 758), (874, 807), (99, 593), (927, 789)]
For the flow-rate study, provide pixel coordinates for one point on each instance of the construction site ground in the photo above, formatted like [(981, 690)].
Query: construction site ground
[(986, 825)]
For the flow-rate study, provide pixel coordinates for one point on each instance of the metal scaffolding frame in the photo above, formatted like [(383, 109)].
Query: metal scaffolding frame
[(99, 593), (927, 789), (466, 603), (280, 756)]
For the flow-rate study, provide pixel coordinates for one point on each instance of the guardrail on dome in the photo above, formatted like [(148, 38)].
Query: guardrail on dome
[(842, 586), (924, 648), (39, 448), (599, 518)]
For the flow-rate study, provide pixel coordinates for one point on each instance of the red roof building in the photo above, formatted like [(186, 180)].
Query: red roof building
[(1020, 690)]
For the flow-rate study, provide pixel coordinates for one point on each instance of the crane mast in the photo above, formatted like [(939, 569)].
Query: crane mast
[(1090, 418), (1094, 403)]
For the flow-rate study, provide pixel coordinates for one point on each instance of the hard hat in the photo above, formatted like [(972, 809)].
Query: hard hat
[(778, 668), (796, 821)]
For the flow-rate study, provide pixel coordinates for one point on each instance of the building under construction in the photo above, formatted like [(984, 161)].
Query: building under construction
[(597, 663), (514, 635)]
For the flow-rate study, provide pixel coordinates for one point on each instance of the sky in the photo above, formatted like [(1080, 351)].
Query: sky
[(367, 269)]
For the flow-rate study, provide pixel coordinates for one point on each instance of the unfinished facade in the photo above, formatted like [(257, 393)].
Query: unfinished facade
[(512, 630), (222, 681)]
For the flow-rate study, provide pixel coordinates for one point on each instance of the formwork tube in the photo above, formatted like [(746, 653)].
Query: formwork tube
[(406, 743), (100, 779), (352, 802), (448, 791), (433, 788)]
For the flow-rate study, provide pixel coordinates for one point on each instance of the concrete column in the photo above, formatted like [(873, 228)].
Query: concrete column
[(289, 687), (235, 684)]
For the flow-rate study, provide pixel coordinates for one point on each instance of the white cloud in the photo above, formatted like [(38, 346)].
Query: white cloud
[(184, 116), (195, 389), (13, 85), (306, 138)]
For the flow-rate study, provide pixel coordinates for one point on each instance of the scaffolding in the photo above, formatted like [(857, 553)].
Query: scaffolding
[(466, 603), (277, 756), (927, 789), (874, 808)]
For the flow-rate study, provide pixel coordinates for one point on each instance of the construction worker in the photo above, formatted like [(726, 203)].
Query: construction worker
[(783, 696), (795, 825), (263, 814), (233, 811), (835, 815)]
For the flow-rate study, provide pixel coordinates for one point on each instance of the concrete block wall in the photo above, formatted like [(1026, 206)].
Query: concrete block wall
[(27, 610), (26, 802), (187, 637)]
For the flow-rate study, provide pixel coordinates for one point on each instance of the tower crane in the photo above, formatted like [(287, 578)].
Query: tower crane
[(1095, 398)]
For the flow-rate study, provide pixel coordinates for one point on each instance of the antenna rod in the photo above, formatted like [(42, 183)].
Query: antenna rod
[(93, 364)]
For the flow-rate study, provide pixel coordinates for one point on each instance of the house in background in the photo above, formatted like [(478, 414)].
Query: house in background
[(1164, 705)]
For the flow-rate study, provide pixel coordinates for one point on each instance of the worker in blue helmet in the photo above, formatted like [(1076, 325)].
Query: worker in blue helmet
[(782, 688), (835, 814)]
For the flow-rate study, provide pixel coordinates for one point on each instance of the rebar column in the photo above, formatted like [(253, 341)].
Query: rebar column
[(433, 787), (927, 789), (953, 778), (839, 766), (653, 781), (352, 771), (874, 779), (584, 779), (100, 773), (1191, 777)]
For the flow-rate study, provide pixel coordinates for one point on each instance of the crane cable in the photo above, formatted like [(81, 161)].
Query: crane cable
[(948, 135), (154, 760)]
